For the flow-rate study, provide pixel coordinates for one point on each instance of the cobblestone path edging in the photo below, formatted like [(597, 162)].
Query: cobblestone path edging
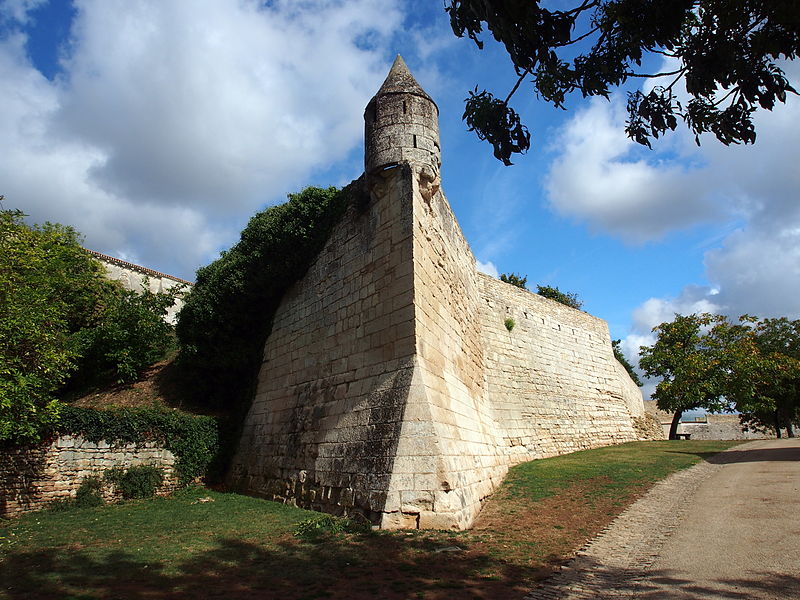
[(612, 564)]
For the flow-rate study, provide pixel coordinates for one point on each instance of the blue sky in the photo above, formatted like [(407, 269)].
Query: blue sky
[(157, 128)]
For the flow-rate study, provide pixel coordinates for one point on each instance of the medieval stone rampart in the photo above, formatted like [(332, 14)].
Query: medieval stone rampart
[(553, 378), (391, 387)]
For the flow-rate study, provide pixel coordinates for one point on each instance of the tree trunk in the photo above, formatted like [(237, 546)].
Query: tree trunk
[(789, 429), (673, 428), (777, 425)]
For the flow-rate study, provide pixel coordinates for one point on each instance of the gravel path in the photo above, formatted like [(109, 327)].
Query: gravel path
[(625, 560)]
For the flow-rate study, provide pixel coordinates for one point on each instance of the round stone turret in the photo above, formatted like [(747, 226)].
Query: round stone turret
[(401, 123)]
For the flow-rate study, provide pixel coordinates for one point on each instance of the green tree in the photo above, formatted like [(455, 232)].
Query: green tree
[(227, 316), (49, 288), (131, 335), (687, 366), (62, 323), (514, 279), (618, 354), (569, 298), (706, 361), (776, 400), (723, 51)]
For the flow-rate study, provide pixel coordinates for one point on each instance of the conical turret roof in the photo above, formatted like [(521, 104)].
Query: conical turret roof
[(401, 81)]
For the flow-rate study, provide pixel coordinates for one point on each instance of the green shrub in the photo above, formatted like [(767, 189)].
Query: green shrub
[(227, 316), (49, 289), (510, 323), (90, 493), (515, 280), (193, 439), (568, 298), (140, 481), (131, 335)]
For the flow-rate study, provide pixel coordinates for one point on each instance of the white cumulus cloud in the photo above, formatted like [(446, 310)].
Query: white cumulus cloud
[(172, 121)]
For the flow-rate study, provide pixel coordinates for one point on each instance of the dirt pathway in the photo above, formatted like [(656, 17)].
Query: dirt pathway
[(729, 528)]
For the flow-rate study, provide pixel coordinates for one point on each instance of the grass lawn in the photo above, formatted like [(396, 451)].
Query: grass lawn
[(240, 547)]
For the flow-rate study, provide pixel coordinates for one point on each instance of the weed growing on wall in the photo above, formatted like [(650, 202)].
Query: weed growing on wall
[(227, 316), (510, 323), (568, 298)]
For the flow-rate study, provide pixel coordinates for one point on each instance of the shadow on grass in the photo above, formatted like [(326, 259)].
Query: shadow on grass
[(372, 566)]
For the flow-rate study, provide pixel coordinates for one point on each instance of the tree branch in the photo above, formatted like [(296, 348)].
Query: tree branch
[(654, 75), (516, 85), (577, 39), (587, 4)]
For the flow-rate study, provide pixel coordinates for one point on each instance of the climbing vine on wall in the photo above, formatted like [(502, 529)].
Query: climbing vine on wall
[(194, 440), (228, 314)]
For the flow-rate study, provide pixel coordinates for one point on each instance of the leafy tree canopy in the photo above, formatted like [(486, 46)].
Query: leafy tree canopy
[(49, 288), (706, 361), (687, 366), (777, 397), (569, 298), (724, 52), (62, 321)]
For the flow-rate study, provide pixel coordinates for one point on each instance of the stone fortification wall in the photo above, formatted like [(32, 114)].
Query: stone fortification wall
[(324, 425), (136, 278), (32, 477), (452, 421), (390, 386), (553, 378)]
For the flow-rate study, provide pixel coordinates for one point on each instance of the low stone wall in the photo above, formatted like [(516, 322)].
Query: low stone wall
[(32, 477), (721, 427)]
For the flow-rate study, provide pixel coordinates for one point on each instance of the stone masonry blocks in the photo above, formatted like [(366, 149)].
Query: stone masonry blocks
[(390, 387)]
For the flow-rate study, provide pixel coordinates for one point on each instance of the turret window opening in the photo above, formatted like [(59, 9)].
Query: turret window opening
[(415, 141), (404, 107)]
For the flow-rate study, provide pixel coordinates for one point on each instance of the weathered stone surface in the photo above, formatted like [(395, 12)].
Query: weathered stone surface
[(390, 384), (32, 477)]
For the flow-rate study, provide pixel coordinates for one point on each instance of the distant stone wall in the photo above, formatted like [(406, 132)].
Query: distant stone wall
[(32, 477), (721, 427), (136, 278)]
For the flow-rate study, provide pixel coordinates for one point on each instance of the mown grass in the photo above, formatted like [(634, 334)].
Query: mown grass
[(625, 467), (241, 547)]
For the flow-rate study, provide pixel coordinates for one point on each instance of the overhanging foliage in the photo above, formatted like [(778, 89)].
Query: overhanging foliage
[(725, 53), (228, 314)]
